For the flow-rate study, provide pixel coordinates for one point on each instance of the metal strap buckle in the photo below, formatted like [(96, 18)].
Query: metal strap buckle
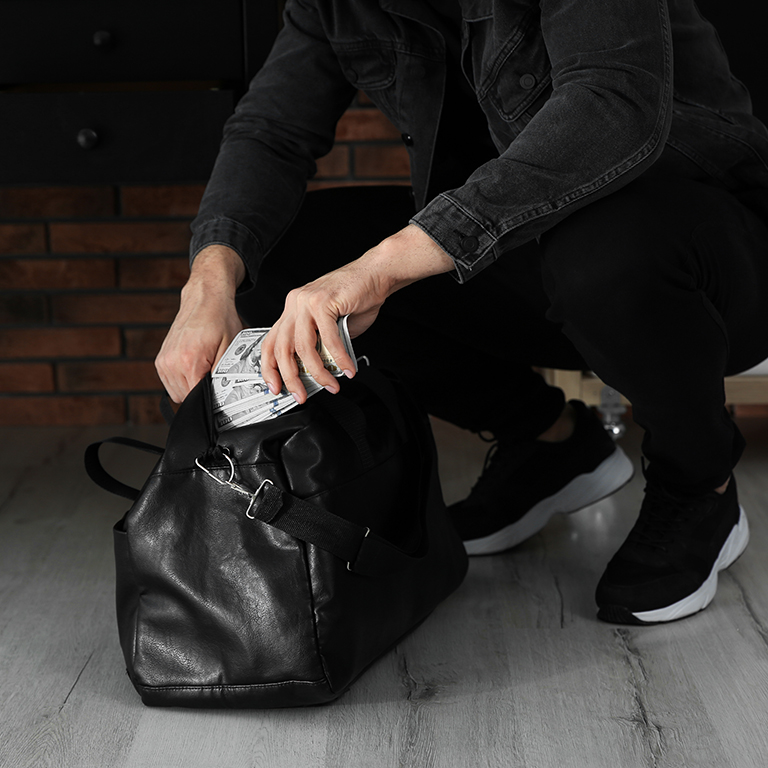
[(349, 564), (230, 482), (254, 497)]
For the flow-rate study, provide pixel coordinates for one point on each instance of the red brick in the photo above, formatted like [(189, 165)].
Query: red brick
[(25, 239), (61, 410), (381, 161), (365, 125), (158, 272), (60, 342), (172, 200), (56, 202), (119, 308), (145, 409), (26, 377), (313, 185), (335, 163), (120, 237), (108, 376), (40, 274), (144, 342), (21, 308)]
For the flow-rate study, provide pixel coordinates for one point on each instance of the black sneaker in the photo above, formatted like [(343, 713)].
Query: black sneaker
[(667, 568), (524, 484)]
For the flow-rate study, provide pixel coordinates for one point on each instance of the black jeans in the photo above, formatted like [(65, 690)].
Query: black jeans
[(661, 289)]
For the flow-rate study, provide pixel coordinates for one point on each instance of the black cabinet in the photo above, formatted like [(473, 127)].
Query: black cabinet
[(123, 90)]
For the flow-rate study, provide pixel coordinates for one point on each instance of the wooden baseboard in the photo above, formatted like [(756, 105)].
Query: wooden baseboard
[(578, 385)]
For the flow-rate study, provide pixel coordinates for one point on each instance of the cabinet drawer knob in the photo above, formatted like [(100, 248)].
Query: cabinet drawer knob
[(87, 138), (103, 39)]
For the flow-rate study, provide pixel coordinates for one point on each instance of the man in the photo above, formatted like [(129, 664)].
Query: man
[(596, 206)]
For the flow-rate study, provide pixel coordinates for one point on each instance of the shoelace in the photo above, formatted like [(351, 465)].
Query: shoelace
[(663, 517), (496, 466)]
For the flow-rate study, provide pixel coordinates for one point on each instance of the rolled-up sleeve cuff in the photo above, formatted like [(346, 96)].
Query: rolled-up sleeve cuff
[(460, 235), (233, 234)]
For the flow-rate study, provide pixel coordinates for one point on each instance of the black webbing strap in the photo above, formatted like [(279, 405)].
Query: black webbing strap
[(102, 478), (364, 552)]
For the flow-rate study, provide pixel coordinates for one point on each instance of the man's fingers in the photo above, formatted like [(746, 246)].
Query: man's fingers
[(278, 363), (306, 349), (269, 367), (329, 335), (290, 375), (179, 384)]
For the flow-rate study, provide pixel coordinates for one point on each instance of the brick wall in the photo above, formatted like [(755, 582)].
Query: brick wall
[(90, 276)]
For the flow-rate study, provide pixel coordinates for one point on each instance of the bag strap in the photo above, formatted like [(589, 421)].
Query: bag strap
[(364, 552), (102, 478)]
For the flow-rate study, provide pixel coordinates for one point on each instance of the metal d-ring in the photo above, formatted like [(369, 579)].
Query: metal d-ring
[(210, 474)]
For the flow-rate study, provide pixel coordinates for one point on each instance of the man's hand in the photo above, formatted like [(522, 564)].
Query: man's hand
[(358, 289), (206, 323)]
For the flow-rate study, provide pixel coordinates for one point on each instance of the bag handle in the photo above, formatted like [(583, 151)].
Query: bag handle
[(102, 478)]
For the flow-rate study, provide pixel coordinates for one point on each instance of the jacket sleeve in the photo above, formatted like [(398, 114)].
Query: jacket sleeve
[(285, 121), (605, 121)]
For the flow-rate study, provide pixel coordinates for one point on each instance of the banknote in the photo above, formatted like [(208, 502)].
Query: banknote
[(255, 403), (241, 395), (243, 355), (253, 412), (229, 391)]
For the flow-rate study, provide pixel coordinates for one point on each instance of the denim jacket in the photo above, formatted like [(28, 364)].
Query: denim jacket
[(580, 96)]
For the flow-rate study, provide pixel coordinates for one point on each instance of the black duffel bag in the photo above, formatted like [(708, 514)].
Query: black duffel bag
[(270, 565)]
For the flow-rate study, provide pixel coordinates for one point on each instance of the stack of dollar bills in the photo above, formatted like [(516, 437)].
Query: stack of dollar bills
[(240, 394)]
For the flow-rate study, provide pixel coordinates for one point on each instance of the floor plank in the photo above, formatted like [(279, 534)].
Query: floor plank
[(513, 670)]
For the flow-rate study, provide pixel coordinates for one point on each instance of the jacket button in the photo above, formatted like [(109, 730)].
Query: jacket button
[(407, 139), (469, 244), (527, 81)]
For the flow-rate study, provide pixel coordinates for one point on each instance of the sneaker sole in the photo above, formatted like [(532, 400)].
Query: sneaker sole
[(613, 473), (697, 601)]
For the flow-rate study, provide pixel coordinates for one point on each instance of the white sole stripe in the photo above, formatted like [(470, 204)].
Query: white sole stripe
[(734, 545), (583, 490)]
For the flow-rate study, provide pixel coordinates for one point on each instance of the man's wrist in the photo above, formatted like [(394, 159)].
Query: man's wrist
[(218, 265), (410, 255)]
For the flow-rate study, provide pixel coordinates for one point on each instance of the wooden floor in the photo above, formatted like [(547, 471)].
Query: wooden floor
[(513, 670)]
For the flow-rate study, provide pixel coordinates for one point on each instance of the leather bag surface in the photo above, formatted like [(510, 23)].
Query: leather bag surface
[(270, 565)]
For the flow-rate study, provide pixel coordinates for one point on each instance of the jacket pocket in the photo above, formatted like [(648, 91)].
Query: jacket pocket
[(515, 77), (367, 66)]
